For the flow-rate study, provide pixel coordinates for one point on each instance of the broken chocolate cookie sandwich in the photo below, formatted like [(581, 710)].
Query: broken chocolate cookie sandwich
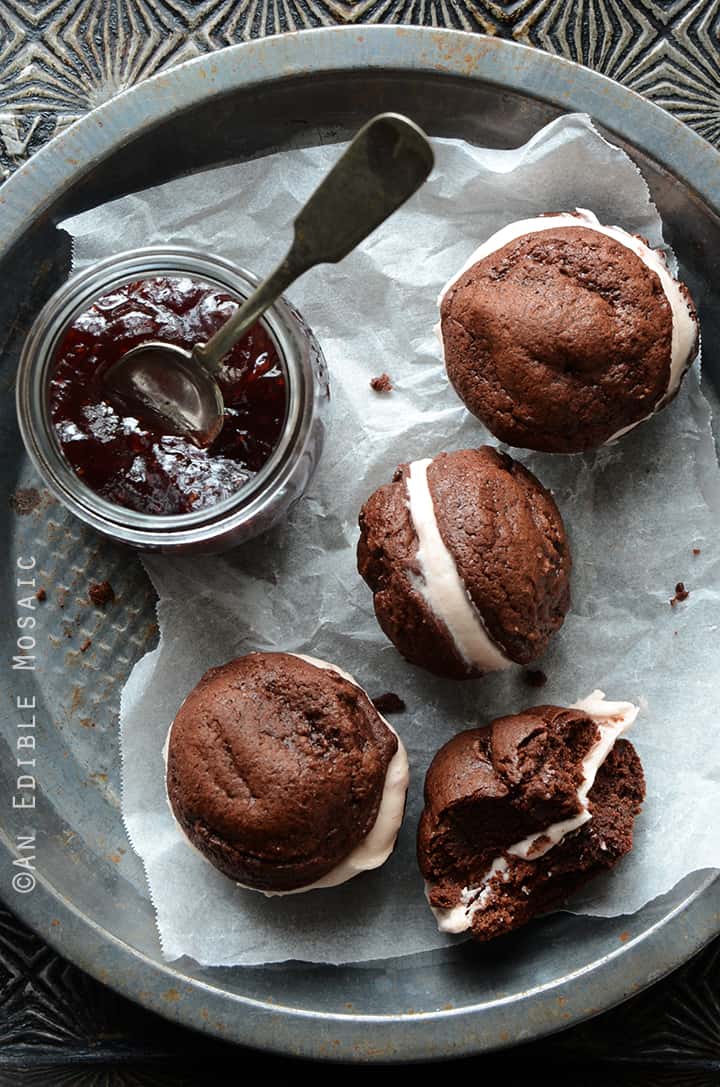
[(282, 773), (468, 562), (521, 813)]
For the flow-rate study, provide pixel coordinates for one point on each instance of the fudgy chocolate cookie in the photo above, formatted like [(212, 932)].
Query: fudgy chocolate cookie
[(282, 773), (522, 812), (561, 334), (468, 562)]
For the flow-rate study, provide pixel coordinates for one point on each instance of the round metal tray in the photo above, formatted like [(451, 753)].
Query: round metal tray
[(90, 899)]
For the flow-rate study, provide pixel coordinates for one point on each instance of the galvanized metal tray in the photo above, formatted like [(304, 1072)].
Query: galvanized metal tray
[(86, 894)]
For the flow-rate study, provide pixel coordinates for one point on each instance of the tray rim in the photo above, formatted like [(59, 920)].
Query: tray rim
[(26, 197)]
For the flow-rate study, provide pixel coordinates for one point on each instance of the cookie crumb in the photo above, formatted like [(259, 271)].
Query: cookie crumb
[(101, 593), (41, 594), (86, 645), (681, 593), (382, 384), (389, 703), (696, 551), (535, 677)]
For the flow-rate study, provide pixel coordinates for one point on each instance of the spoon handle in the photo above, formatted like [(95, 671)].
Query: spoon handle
[(386, 163), (212, 353)]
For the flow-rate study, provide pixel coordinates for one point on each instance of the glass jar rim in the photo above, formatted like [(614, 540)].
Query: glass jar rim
[(79, 292)]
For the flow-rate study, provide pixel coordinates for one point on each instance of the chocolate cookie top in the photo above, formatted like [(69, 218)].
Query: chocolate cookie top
[(277, 768), (468, 560), (521, 812), (562, 333)]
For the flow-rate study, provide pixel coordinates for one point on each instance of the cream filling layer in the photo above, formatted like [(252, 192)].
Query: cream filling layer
[(440, 584), (378, 843), (684, 326), (612, 719)]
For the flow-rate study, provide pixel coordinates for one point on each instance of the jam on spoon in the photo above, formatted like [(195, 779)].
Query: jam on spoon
[(133, 463)]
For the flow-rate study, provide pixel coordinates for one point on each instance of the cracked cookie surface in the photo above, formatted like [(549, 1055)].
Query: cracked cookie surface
[(506, 538), (559, 340), (276, 769)]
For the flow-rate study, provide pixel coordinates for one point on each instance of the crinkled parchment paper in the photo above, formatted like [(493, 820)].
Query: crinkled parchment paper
[(634, 513)]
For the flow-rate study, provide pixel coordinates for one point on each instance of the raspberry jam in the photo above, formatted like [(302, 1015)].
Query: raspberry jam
[(130, 462)]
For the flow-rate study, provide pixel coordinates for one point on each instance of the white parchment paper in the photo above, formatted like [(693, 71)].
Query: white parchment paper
[(634, 513)]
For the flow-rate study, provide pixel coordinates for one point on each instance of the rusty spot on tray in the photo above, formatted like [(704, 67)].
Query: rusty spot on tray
[(87, 723), (115, 858), (624, 937), (76, 700), (86, 645), (101, 593), (25, 500)]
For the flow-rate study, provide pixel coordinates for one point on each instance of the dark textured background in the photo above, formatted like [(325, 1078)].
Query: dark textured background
[(60, 58)]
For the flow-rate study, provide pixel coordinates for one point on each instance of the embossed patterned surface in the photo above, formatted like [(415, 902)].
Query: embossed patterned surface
[(59, 58)]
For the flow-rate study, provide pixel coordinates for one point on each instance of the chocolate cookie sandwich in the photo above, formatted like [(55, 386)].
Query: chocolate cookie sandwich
[(521, 813), (282, 773), (561, 334), (468, 562)]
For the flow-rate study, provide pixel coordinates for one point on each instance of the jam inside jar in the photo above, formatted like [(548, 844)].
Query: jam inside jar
[(130, 462)]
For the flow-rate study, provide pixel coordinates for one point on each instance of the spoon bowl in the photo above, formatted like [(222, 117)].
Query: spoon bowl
[(166, 385)]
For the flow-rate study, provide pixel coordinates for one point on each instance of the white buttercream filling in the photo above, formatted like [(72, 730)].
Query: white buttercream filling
[(379, 842), (684, 326), (440, 584), (612, 719)]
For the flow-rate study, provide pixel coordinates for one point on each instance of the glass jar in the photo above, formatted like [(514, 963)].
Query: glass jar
[(259, 503)]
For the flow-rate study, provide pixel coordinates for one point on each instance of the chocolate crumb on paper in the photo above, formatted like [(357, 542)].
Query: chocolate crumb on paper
[(382, 384), (389, 703), (101, 593), (86, 645), (681, 593), (696, 551), (535, 677), (41, 594)]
